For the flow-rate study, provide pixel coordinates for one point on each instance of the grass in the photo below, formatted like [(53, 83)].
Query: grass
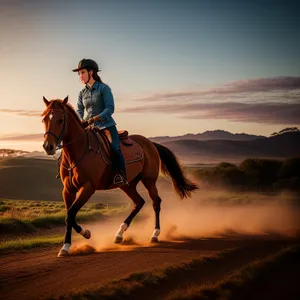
[(247, 282), (18, 216), (30, 243)]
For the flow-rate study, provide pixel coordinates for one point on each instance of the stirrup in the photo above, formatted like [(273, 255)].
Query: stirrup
[(120, 180)]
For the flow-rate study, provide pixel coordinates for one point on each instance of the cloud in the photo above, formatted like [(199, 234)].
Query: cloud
[(266, 113), (289, 87), (21, 112), (23, 137), (264, 84), (265, 100)]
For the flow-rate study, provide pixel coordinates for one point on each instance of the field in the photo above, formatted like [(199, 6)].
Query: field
[(31, 217), (219, 244)]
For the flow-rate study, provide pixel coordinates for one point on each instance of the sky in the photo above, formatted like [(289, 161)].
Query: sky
[(174, 67)]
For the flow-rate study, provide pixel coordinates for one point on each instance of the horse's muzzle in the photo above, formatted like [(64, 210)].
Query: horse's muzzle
[(49, 148)]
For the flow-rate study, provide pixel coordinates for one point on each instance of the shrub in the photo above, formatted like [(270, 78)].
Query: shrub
[(260, 172), (290, 168)]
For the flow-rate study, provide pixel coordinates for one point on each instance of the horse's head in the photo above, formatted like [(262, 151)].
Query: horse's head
[(55, 122)]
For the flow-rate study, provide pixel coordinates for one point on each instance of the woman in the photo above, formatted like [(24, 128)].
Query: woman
[(95, 105)]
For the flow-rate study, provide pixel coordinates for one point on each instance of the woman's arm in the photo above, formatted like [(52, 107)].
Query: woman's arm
[(109, 105), (80, 106)]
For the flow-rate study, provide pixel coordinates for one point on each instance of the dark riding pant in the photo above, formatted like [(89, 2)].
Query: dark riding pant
[(118, 159)]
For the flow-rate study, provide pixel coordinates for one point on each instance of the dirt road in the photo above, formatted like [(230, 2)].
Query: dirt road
[(38, 273)]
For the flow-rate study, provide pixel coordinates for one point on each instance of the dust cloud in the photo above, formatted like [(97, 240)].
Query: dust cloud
[(207, 214)]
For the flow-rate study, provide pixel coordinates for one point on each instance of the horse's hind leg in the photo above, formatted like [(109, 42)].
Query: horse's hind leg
[(138, 204), (150, 185)]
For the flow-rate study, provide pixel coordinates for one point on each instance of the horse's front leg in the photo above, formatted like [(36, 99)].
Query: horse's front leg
[(69, 196), (83, 195)]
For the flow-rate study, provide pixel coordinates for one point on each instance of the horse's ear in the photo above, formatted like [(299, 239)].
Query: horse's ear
[(46, 101), (66, 100)]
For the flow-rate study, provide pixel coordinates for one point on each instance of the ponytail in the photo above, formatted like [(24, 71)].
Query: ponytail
[(96, 77)]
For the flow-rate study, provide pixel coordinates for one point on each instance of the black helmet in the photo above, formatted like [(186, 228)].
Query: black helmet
[(88, 64)]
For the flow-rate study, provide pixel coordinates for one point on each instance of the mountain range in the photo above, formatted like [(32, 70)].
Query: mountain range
[(214, 151), (208, 135), (219, 145)]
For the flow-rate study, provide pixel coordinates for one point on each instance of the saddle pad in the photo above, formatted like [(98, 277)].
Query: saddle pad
[(132, 152)]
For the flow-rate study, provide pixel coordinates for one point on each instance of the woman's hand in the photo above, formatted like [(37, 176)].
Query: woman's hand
[(84, 124), (91, 121)]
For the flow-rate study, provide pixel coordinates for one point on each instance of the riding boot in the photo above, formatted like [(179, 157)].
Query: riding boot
[(117, 158), (121, 178), (119, 162)]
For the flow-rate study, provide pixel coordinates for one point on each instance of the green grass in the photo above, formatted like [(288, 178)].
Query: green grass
[(11, 225), (25, 224), (246, 281), (18, 216), (30, 243)]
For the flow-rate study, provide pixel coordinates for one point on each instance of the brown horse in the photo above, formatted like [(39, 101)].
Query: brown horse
[(86, 167)]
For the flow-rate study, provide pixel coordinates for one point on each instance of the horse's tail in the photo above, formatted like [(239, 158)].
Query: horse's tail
[(171, 167)]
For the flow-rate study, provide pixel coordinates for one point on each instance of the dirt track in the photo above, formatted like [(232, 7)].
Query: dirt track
[(39, 273)]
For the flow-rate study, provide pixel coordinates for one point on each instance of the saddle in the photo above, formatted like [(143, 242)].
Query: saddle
[(131, 150)]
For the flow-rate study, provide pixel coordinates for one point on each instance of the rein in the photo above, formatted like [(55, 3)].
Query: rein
[(89, 148), (60, 138), (79, 160)]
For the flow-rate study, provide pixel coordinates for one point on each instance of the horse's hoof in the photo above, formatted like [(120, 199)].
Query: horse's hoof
[(154, 239), (87, 234), (63, 253), (118, 240)]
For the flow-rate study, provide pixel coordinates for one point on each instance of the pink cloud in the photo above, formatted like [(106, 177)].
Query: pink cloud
[(21, 112), (269, 113), (23, 137), (234, 89)]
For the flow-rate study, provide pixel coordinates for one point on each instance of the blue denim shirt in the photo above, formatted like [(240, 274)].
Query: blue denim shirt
[(96, 101)]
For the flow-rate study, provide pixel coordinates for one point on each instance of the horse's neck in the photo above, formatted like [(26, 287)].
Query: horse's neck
[(75, 141)]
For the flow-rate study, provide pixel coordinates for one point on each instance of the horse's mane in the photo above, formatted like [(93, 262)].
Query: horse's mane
[(73, 112), (69, 107)]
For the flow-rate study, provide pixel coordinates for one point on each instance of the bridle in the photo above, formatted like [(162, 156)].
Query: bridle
[(61, 135)]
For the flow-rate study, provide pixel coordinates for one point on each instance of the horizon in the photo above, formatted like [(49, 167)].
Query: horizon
[(174, 68), (32, 145)]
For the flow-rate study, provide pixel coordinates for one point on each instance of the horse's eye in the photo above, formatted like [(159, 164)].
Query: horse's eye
[(60, 121)]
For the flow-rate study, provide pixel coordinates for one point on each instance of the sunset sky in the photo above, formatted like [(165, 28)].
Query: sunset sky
[(174, 67)]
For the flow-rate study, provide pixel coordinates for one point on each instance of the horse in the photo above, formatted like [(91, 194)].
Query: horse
[(86, 166)]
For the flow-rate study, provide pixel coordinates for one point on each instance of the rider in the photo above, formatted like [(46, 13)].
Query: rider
[(95, 105)]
